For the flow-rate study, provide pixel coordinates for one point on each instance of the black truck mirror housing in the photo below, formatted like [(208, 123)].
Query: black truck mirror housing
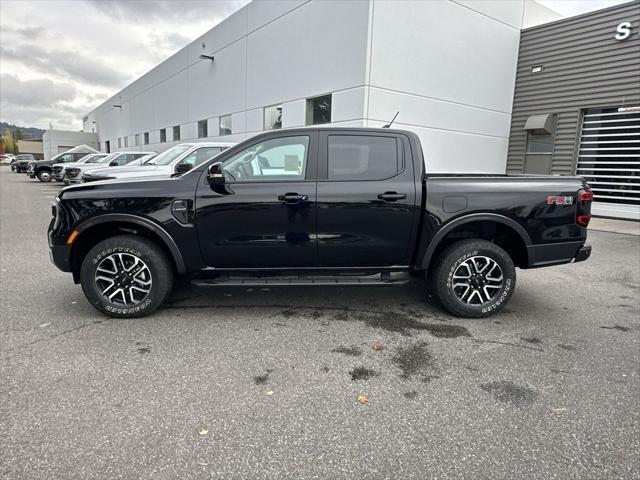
[(215, 175), (183, 168)]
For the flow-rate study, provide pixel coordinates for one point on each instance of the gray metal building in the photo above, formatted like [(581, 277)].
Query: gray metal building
[(576, 106)]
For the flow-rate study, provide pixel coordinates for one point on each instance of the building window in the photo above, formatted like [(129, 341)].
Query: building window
[(202, 129), (126, 142), (539, 143), (146, 138), (273, 117), (176, 133), (120, 142), (319, 110), (137, 139), (163, 135), (225, 125)]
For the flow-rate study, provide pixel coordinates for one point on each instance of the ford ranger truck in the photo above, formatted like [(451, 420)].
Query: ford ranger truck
[(317, 206)]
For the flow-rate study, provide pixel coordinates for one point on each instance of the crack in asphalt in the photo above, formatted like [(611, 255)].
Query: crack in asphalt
[(50, 337), (482, 340)]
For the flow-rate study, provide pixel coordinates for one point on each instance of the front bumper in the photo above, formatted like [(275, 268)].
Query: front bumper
[(72, 180), (60, 256)]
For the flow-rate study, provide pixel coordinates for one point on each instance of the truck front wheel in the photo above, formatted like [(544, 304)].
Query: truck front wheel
[(44, 175), (126, 276), (474, 278)]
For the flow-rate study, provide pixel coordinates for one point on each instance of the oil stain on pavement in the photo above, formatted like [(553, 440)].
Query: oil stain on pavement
[(348, 351), (264, 378), (362, 373), (415, 360), (509, 392)]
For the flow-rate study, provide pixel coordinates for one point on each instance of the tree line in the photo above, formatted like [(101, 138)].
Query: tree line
[(9, 141)]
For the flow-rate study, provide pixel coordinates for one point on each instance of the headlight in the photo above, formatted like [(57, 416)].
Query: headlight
[(73, 172)]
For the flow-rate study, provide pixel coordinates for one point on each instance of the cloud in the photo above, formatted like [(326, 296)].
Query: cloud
[(569, 9), (69, 63), (24, 32), (166, 10), (40, 92), (38, 102)]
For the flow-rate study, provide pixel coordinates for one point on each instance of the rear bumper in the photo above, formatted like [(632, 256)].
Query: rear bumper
[(557, 253), (583, 253)]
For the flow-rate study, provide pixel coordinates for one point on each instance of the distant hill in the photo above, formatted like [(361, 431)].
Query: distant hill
[(28, 132)]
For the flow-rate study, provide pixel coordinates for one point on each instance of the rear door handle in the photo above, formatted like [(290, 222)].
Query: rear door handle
[(292, 197), (391, 196)]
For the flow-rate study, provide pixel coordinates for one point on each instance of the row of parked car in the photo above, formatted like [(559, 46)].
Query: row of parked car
[(85, 164)]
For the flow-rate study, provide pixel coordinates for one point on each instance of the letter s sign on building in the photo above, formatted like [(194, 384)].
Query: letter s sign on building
[(623, 31)]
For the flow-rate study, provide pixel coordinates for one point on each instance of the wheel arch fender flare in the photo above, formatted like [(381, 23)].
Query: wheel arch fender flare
[(474, 217), (168, 241)]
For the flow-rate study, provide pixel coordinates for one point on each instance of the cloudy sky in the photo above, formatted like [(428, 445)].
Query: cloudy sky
[(60, 59)]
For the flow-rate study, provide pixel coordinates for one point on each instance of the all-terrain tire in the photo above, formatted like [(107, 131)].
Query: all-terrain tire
[(134, 264), (469, 257)]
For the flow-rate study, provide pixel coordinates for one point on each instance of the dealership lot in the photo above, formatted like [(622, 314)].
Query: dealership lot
[(260, 383)]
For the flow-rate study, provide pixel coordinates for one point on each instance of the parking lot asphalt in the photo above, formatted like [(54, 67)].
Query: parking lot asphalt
[(263, 383)]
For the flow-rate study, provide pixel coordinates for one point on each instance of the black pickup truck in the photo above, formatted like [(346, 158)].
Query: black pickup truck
[(321, 206)]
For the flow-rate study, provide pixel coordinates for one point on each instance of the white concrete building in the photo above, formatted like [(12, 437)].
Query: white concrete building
[(58, 141), (448, 67)]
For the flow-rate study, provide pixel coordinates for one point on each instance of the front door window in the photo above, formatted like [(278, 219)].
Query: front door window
[(274, 160)]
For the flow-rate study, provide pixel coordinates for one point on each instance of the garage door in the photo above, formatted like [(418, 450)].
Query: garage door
[(609, 159)]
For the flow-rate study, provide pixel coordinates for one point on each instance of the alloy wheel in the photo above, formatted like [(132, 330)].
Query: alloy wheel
[(123, 278), (477, 280)]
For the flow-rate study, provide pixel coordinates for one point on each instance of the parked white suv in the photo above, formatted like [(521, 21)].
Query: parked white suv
[(73, 174), (178, 159)]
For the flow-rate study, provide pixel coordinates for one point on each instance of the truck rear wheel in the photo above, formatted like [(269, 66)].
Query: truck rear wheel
[(474, 278), (126, 276)]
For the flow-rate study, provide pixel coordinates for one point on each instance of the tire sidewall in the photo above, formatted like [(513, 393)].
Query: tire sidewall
[(40, 176), (451, 263), (161, 278)]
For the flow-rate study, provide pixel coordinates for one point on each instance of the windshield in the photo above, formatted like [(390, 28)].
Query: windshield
[(109, 157), (87, 158), (168, 156), (93, 158), (141, 160)]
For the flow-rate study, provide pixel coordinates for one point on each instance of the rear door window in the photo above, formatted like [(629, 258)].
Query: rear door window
[(364, 158)]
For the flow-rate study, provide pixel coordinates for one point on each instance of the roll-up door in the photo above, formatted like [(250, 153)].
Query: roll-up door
[(609, 159)]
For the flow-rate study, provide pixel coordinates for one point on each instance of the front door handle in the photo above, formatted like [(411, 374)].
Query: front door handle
[(293, 197), (391, 196)]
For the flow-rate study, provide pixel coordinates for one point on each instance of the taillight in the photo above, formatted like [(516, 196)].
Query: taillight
[(583, 210), (585, 196)]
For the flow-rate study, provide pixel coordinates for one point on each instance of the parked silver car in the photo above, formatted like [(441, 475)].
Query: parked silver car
[(58, 169), (178, 159), (74, 173)]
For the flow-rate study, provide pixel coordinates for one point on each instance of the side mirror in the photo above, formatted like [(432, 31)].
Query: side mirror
[(215, 176), (183, 168), (113, 163)]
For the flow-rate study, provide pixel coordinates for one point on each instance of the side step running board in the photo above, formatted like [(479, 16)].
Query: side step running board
[(384, 278)]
